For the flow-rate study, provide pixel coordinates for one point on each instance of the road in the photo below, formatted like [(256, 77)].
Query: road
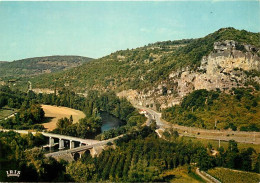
[(154, 115), (222, 135), (65, 137), (208, 178)]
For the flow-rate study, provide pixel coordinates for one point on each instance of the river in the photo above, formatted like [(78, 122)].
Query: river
[(109, 121)]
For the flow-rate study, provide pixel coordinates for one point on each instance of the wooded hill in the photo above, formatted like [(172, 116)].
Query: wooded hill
[(39, 65), (239, 110), (146, 66)]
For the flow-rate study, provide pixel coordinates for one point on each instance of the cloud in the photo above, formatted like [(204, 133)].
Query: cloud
[(145, 30)]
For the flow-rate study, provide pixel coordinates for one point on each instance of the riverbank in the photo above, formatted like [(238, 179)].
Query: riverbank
[(54, 113)]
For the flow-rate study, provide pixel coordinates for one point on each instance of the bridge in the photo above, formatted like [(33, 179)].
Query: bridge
[(72, 140), (73, 152)]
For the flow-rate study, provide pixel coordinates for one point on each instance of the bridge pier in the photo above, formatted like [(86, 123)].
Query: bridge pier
[(51, 142), (72, 144), (61, 144)]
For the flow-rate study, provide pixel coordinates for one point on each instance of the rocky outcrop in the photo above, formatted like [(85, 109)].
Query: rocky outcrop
[(228, 66)]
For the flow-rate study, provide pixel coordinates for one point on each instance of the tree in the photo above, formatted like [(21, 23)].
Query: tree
[(141, 172), (80, 171), (203, 159)]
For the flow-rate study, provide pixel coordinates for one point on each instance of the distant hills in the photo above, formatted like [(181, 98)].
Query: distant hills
[(158, 75), (39, 65), (165, 74)]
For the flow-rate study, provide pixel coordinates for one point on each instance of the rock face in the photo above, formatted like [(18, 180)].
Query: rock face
[(228, 66)]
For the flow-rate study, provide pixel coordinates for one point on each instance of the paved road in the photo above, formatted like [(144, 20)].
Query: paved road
[(19, 131), (65, 137), (154, 115), (222, 135)]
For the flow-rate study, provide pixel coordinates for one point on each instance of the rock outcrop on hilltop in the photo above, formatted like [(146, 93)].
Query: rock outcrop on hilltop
[(229, 65)]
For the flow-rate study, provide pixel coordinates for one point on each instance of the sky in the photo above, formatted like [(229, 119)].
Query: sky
[(95, 29)]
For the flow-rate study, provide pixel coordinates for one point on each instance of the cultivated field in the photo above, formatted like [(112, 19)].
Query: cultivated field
[(226, 175), (53, 113)]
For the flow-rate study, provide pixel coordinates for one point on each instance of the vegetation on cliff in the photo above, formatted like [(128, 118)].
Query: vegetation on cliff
[(142, 67), (239, 110)]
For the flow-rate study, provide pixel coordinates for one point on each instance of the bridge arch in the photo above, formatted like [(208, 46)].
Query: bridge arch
[(76, 156)]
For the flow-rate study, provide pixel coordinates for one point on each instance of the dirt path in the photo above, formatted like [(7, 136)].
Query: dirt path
[(53, 113)]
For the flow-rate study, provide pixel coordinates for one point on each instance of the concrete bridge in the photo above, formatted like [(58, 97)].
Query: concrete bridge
[(61, 138), (73, 152), (71, 140)]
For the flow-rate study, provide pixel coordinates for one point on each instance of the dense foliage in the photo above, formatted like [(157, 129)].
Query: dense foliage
[(16, 153), (139, 156), (10, 98), (28, 117), (30, 113), (142, 157), (202, 108), (39, 65), (92, 105), (143, 67)]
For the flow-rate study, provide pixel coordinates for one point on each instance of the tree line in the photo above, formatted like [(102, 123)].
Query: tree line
[(31, 115), (238, 110)]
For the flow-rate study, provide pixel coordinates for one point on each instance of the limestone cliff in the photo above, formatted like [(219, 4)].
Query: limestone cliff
[(228, 66)]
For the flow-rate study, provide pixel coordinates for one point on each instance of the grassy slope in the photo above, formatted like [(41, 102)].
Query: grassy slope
[(143, 67), (5, 112), (181, 174), (215, 144), (226, 175)]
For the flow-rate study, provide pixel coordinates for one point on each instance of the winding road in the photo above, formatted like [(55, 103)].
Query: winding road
[(220, 135)]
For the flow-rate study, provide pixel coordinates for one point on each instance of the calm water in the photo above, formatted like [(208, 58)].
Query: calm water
[(109, 121)]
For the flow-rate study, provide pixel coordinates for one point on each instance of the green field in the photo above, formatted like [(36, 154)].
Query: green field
[(226, 175), (180, 174), (215, 144), (5, 112)]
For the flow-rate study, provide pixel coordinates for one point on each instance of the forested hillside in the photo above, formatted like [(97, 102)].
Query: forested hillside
[(215, 110), (145, 67), (39, 65)]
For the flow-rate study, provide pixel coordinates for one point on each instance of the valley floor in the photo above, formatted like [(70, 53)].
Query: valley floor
[(54, 113), (222, 135)]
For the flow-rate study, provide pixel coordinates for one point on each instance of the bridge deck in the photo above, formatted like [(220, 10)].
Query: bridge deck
[(65, 137), (82, 148)]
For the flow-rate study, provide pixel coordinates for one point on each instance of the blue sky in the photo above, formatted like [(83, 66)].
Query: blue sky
[(95, 29)]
